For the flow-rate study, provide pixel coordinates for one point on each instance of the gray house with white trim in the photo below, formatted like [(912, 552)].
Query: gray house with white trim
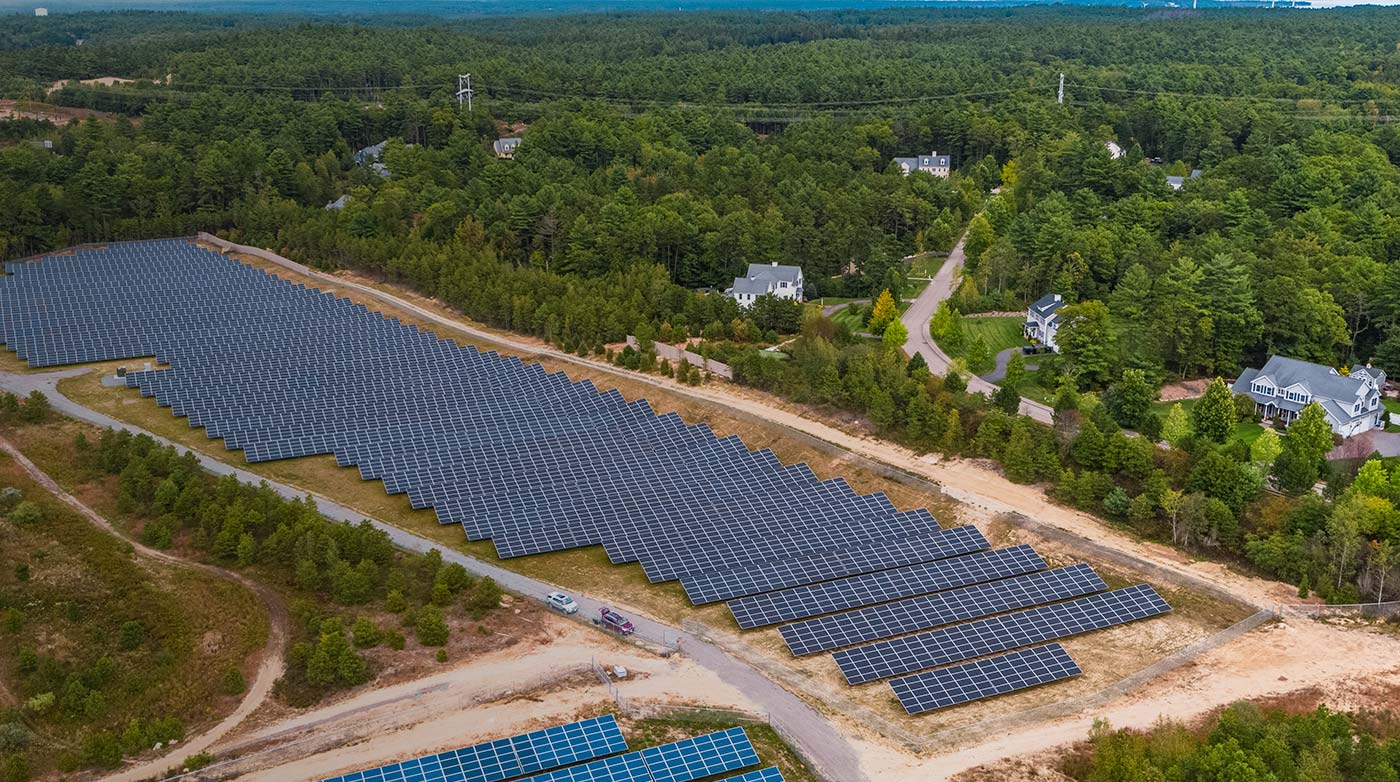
[(1284, 386), (785, 282), (933, 163), (1043, 320)]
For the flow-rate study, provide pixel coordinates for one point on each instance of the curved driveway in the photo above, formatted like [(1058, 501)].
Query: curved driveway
[(916, 321), (813, 736)]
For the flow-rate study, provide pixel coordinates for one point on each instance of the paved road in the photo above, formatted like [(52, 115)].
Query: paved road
[(916, 320), (820, 743), (1003, 359)]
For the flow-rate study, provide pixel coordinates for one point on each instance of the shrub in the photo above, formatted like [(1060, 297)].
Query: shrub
[(367, 633), (27, 512), (233, 683), (131, 635), (430, 627)]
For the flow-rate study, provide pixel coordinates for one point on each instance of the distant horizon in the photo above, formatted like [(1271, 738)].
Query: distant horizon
[(468, 8)]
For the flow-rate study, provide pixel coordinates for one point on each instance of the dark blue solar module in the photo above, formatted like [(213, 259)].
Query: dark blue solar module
[(507, 758), (828, 597), (528, 459), (982, 637), (973, 681), (770, 774), (700, 757), (940, 608)]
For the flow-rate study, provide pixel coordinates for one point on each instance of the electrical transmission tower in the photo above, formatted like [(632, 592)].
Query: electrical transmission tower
[(465, 93)]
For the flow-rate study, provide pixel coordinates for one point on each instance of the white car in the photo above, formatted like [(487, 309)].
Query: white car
[(561, 602)]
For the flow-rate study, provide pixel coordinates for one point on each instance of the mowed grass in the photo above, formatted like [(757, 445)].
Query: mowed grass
[(1245, 431), (81, 587), (997, 333)]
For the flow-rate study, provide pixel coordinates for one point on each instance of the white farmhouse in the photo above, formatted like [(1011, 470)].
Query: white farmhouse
[(1286, 385), (505, 147), (933, 163), (785, 282), (1043, 320), (1115, 150)]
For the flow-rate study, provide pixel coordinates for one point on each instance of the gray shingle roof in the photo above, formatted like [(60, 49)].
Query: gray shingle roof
[(505, 146), (1323, 384), (760, 271), (1047, 304)]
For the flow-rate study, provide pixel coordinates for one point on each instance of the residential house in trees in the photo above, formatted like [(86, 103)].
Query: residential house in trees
[(1178, 182), (1043, 320), (505, 147), (1284, 386), (785, 282), (933, 163)]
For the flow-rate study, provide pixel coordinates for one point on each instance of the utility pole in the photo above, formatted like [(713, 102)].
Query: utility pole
[(1062, 89), (465, 93)]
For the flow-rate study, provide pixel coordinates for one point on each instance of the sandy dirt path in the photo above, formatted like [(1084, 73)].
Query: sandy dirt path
[(497, 695), (270, 668)]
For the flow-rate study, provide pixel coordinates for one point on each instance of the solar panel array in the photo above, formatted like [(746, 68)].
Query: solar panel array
[(528, 459), (506, 758), (988, 636), (535, 462), (681, 761), (940, 608), (770, 774), (984, 678)]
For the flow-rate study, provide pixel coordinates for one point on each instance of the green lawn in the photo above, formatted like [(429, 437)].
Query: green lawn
[(1392, 406), (998, 333), (1246, 432), (853, 316), (927, 265)]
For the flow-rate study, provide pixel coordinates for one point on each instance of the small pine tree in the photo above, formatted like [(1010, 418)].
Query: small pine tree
[(1304, 587)]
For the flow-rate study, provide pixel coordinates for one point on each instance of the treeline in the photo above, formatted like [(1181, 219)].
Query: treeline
[(339, 574), (1245, 743)]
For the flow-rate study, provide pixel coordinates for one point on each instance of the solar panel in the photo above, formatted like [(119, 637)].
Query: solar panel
[(770, 774), (855, 591), (620, 768), (940, 608), (827, 565), (933, 648), (986, 678), (702, 756), (506, 758)]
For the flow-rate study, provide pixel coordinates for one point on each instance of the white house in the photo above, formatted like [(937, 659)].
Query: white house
[(785, 282), (41, 12), (1043, 320), (933, 163), (1115, 151), (1286, 385), (505, 147)]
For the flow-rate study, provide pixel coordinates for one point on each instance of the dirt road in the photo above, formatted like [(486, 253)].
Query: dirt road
[(270, 668)]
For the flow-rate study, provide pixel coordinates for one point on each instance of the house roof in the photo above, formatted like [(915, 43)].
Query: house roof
[(370, 153), (1047, 305), (922, 162), (746, 285), (505, 145), (760, 271), (338, 203), (1324, 384)]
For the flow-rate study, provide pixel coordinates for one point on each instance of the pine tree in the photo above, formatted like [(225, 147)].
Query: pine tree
[(1177, 425)]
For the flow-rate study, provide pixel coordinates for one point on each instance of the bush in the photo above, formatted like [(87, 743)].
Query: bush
[(367, 633), (196, 762), (484, 598), (131, 635), (233, 683), (430, 627), (27, 512), (394, 640)]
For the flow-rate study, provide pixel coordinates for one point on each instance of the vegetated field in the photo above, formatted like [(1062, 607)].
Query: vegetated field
[(1392, 406), (853, 316), (1112, 653), (111, 637), (997, 334)]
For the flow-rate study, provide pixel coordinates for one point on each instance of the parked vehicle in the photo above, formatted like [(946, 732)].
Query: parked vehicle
[(615, 622), (561, 602)]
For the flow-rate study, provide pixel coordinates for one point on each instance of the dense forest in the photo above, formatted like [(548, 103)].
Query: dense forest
[(662, 153)]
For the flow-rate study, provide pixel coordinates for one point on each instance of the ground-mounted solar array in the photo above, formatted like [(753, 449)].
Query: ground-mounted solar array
[(536, 462), (586, 751), (507, 758)]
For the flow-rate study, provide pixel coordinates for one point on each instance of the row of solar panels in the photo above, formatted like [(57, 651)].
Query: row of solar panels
[(536, 462), (586, 751)]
